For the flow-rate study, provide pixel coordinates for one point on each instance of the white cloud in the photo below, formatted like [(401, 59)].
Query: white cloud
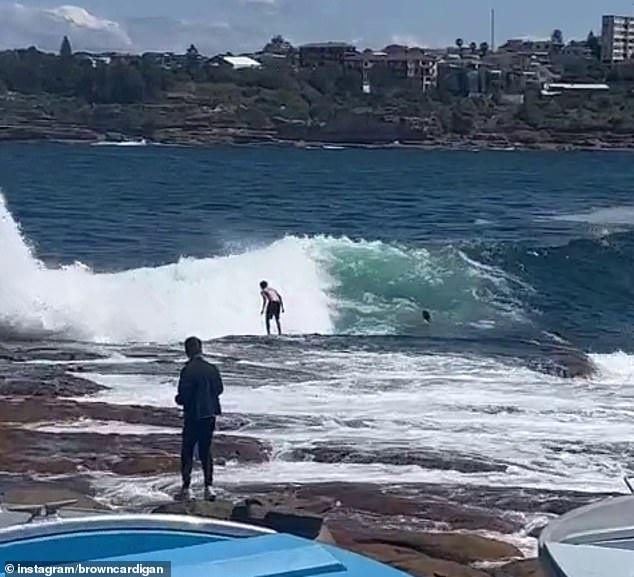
[(242, 25), (210, 37), (408, 40), (22, 26), (236, 26), (76, 16)]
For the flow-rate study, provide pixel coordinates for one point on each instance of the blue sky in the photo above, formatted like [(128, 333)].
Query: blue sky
[(238, 25)]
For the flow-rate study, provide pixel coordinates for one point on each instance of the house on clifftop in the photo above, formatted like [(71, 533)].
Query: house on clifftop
[(324, 53), (236, 62), (398, 63)]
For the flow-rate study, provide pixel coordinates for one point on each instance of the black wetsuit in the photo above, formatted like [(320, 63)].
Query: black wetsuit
[(199, 389)]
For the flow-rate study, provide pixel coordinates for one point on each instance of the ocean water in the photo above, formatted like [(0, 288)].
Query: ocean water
[(123, 247)]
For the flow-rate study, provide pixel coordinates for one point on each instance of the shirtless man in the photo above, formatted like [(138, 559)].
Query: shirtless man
[(273, 304)]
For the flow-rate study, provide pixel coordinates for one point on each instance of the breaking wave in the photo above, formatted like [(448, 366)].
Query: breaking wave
[(330, 285)]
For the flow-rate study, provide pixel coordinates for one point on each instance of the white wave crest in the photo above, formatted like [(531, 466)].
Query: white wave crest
[(210, 297), (615, 368), (329, 284)]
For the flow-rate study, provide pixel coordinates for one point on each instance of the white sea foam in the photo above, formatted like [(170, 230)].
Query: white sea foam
[(123, 143), (451, 404), (616, 215), (148, 390), (114, 359), (616, 368), (100, 427)]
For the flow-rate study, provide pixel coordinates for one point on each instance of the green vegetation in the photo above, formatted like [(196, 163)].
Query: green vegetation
[(257, 98), (594, 44), (612, 112), (193, 99)]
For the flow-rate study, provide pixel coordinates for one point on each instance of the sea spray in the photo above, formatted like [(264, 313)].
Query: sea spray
[(330, 285)]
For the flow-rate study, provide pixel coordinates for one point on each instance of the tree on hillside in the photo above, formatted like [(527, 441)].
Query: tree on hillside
[(622, 72), (323, 79), (594, 44), (278, 45), (575, 69), (126, 83), (61, 73), (65, 50), (155, 78), (557, 39), (461, 123), (530, 112), (192, 56), (557, 36), (460, 45), (193, 62)]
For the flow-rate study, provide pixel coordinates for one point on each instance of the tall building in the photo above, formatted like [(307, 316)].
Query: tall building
[(617, 38)]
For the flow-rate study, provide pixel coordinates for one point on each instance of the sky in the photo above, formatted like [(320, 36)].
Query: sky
[(245, 25)]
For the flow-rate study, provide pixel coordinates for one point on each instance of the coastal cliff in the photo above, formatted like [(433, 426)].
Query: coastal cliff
[(193, 100), (211, 114)]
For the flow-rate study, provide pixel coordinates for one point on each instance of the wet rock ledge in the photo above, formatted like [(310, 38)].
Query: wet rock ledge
[(425, 529), (29, 401)]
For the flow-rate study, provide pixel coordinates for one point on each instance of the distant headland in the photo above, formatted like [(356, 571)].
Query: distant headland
[(524, 94)]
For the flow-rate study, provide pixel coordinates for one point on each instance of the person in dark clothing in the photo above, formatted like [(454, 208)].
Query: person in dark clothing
[(199, 389)]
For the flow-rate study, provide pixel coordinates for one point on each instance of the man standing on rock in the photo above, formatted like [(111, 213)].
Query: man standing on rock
[(272, 304), (199, 390)]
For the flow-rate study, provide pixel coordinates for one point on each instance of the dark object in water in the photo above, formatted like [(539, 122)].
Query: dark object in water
[(426, 316)]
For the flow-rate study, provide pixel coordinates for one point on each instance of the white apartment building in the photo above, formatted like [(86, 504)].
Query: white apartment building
[(617, 38)]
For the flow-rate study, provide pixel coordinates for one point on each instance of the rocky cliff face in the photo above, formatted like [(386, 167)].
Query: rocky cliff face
[(184, 120)]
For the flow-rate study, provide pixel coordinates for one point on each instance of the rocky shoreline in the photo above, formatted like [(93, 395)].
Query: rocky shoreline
[(444, 530), (394, 525), (499, 142), (185, 121)]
